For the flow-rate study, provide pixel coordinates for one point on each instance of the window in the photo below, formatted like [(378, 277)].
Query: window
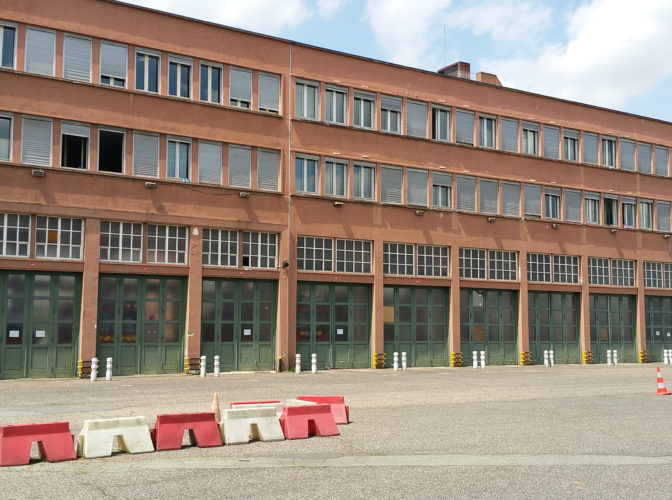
[(268, 162), (441, 190), (627, 155), (472, 263), (335, 178), (552, 203), (644, 158), (608, 152), (113, 64), (240, 88), (668, 275), (466, 193), (571, 145), (5, 137), (314, 254), (565, 269), (503, 265), (58, 238), (590, 148), (335, 104), (353, 256), (509, 135), (166, 244), (390, 185), (145, 155), (40, 51), (211, 83), (592, 208), (511, 199), (610, 210), (441, 124), (209, 162), (240, 161), (179, 77), (178, 160), (146, 71), (530, 138), (111, 151), (628, 209), (306, 95), (433, 261), (464, 127), (416, 187), (305, 175), (622, 272), (663, 216), (398, 259), (7, 47), (77, 58), (14, 235), (653, 275), (539, 267), (598, 271), (220, 247), (364, 182), (532, 205), (487, 131), (74, 145), (120, 241), (572, 205), (364, 106), (390, 114), (551, 142), (488, 196), (661, 160), (36, 142), (645, 214), (269, 93), (416, 119)]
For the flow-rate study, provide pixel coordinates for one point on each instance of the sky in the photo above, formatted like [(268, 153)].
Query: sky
[(611, 53)]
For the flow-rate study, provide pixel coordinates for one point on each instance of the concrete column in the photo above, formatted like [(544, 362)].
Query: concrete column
[(523, 320), (640, 324), (377, 304), (192, 345), (585, 306), (88, 317), (454, 307), (285, 341)]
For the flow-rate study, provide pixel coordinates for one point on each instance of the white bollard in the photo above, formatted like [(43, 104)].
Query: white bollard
[(666, 356), (482, 359), (395, 366), (297, 369), (474, 356), (615, 358), (546, 359), (203, 360), (94, 369), (313, 363), (108, 369), (216, 370), (551, 358), (403, 361), (608, 357)]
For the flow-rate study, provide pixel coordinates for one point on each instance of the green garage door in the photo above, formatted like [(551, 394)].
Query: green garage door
[(334, 322), (39, 317), (141, 323), (488, 322), (553, 325), (658, 326), (238, 324), (416, 322), (612, 326)]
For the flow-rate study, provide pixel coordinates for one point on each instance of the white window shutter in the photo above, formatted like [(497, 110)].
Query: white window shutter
[(390, 185), (77, 59), (416, 119), (464, 127), (78, 130), (267, 170), (511, 199), (209, 163), (113, 60), (551, 142), (145, 155), (241, 84), (417, 187), (36, 142), (488, 199), (466, 194), (239, 166), (590, 145), (40, 47), (627, 155), (269, 92)]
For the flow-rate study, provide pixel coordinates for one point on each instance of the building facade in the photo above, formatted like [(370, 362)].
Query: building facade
[(173, 188)]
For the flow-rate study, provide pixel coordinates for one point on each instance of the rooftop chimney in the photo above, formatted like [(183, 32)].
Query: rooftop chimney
[(459, 70), (488, 78)]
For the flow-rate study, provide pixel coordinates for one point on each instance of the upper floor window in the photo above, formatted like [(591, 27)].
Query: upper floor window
[(511, 199), (120, 241), (260, 250), (335, 178), (610, 210), (363, 112), (269, 93), (608, 151), (663, 216), (466, 193), (178, 159), (14, 235), (661, 160), (209, 162), (571, 145), (179, 77), (627, 155), (509, 135), (539, 267), (36, 141), (488, 196), (472, 263), (592, 208), (77, 58), (74, 145), (7, 46), (113, 64), (145, 155), (240, 165), (305, 175), (268, 163), (306, 96), (364, 185), (211, 83), (441, 190), (645, 214), (552, 203), (398, 258), (220, 247), (40, 51), (590, 148), (58, 237), (146, 71), (440, 124), (166, 244), (416, 187), (530, 138), (390, 114), (5, 137), (240, 90), (644, 158), (572, 205), (487, 131), (464, 127), (503, 265), (335, 105), (598, 271), (416, 119), (353, 256), (390, 185), (532, 195), (551, 142), (433, 260), (111, 151), (314, 254), (628, 212)]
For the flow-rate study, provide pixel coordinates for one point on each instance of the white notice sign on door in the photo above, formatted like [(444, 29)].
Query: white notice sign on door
[(247, 331), (339, 331), (14, 334), (40, 333)]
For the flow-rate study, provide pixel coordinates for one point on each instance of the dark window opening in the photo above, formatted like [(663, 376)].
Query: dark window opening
[(110, 151), (74, 151)]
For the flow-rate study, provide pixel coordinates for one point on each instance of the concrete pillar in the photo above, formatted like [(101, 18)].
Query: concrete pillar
[(88, 317), (640, 324), (585, 306), (192, 345), (285, 341), (454, 307), (523, 320), (377, 304)]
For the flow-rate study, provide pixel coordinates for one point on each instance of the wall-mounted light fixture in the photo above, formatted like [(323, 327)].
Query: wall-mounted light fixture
[(285, 264), (338, 203), (492, 219), (666, 236), (419, 212), (244, 194), (150, 185), (613, 230), (555, 225), (38, 172)]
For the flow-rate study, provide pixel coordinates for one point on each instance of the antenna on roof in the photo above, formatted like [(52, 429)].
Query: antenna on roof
[(444, 43)]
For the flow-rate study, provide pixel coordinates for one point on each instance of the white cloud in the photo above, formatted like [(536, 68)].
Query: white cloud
[(326, 8), (615, 51)]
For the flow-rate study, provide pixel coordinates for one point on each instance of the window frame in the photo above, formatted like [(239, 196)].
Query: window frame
[(19, 229), (307, 255), (184, 253), (306, 84), (101, 75), (64, 124), (202, 178), (10, 148), (552, 203), (158, 158), (351, 249), (631, 203), (15, 27), (360, 187), (147, 53), (429, 254), (393, 253), (410, 172), (398, 174), (79, 37), (260, 76), (486, 122), (612, 200), (179, 140), (387, 111), (51, 139), (361, 96), (594, 200), (571, 143), (609, 152), (410, 115), (59, 232), (449, 191), (332, 176), (334, 90), (120, 235), (220, 84), (272, 260), (436, 114), (208, 241), (239, 102), (25, 55), (229, 177), (123, 149), (530, 130), (642, 218), (539, 267), (179, 62), (304, 171)]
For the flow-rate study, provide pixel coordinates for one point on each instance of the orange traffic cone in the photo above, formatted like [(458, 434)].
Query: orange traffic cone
[(215, 407), (662, 391)]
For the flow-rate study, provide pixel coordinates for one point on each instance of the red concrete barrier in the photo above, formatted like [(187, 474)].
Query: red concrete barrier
[(169, 430), (54, 442), (299, 422), (337, 403)]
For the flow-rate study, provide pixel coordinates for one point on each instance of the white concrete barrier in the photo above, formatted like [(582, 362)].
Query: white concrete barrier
[(97, 437), (278, 406), (239, 425)]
